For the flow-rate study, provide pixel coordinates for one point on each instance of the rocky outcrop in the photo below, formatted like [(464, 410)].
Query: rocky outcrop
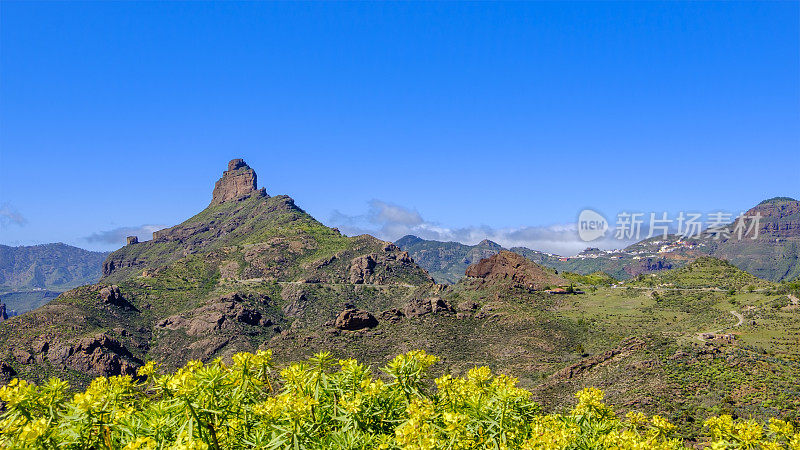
[(421, 306), (361, 268), (132, 240), (364, 269), (417, 307), (3, 313), (355, 319), (98, 355), (6, 372), (112, 295), (219, 314), (647, 265), (509, 267), (296, 300), (238, 182)]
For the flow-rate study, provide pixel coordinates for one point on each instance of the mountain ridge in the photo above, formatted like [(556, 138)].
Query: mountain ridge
[(774, 254), (54, 266)]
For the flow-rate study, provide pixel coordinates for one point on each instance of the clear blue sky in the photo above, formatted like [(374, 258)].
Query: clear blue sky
[(470, 116)]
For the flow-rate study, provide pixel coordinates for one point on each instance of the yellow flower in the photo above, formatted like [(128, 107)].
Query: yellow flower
[(148, 369), (33, 430), (719, 427), (141, 443)]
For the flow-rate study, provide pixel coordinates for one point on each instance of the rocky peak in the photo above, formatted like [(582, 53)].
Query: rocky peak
[(510, 267), (238, 182), (779, 218)]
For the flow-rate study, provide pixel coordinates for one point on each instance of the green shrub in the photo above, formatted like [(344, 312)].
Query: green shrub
[(327, 404)]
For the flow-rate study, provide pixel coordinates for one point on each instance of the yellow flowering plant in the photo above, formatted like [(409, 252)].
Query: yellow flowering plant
[(327, 404)]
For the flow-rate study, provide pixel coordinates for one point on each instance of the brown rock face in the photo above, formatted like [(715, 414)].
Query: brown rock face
[(355, 319), (112, 295), (133, 240), (779, 218), (510, 267), (421, 306), (648, 265), (238, 182), (361, 268), (216, 315), (99, 355)]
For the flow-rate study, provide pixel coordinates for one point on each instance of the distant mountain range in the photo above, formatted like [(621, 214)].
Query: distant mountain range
[(774, 254), (48, 266), (31, 276), (447, 261)]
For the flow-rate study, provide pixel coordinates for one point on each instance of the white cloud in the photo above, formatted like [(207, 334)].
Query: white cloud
[(390, 222), (10, 216), (117, 236)]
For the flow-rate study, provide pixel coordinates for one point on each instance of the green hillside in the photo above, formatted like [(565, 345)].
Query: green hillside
[(446, 261), (48, 266), (706, 272)]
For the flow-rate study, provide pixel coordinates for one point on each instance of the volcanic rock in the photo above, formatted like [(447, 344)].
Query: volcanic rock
[(421, 306), (238, 182), (361, 268), (99, 355), (648, 265), (355, 319), (215, 315), (510, 267)]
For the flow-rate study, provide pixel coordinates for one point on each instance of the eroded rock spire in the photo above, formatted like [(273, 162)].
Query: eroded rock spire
[(238, 182)]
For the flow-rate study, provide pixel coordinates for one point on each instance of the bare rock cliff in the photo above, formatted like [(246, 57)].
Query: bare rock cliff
[(238, 182)]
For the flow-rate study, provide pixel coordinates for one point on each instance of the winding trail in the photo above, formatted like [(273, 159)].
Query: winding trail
[(304, 283), (740, 321)]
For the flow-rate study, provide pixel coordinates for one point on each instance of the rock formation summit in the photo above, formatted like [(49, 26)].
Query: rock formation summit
[(507, 266), (238, 182)]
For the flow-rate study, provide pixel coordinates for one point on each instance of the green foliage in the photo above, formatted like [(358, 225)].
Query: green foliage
[(593, 279), (704, 273), (324, 404)]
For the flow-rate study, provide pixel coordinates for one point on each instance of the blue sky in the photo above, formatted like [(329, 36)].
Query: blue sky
[(470, 119)]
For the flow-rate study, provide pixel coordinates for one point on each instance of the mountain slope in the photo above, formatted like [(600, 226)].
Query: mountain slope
[(254, 271), (48, 266), (773, 252), (248, 268), (707, 272), (446, 261)]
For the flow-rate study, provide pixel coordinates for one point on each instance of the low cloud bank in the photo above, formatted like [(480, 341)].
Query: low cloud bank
[(390, 221), (117, 236)]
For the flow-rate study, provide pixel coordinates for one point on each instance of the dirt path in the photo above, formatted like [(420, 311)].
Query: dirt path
[(260, 280), (738, 316), (647, 288), (740, 321)]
